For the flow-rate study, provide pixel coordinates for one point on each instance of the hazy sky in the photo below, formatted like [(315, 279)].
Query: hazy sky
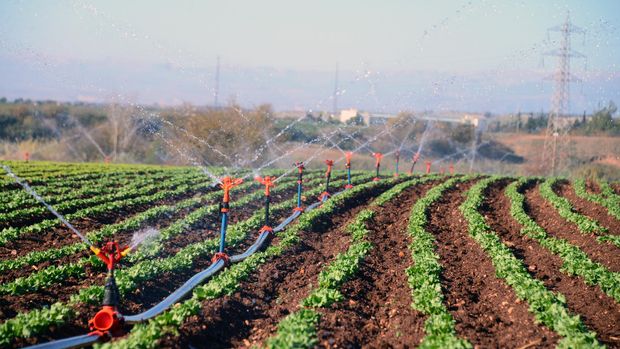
[(474, 55)]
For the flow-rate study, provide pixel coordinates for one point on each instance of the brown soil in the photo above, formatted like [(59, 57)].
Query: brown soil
[(377, 310), (251, 314), (486, 309), (146, 295), (589, 209), (61, 235), (598, 311), (547, 217)]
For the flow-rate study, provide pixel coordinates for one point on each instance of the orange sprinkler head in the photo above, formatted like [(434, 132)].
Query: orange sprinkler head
[(26, 156), (378, 157), (329, 164), (451, 168), (227, 184), (300, 166), (267, 181), (348, 155), (110, 253)]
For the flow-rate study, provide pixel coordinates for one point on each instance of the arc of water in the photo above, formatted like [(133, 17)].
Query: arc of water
[(34, 194)]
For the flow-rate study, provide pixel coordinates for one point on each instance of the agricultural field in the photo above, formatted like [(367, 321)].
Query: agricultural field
[(422, 260)]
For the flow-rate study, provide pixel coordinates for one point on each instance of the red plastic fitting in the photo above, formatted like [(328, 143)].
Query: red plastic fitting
[(227, 184), (330, 164), (378, 157), (428, 167), (107, 321), (221, 255), (267, 181), (348, 156)]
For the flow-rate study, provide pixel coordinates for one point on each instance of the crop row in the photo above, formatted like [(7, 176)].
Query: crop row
[(35, 321), (575, 261), (585, 224), (606, 201), (53, 274), (147, 334), (548, 308), (298, 330)]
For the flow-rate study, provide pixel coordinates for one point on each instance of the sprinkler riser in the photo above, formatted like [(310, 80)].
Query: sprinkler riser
[(223, 230), (267, 201), (111, 295)]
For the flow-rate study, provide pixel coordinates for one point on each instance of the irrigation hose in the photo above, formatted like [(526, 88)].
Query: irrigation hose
[(179, 293)]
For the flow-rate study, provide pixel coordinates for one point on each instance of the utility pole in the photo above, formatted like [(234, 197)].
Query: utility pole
[(335, 97), (216, 91), (555, 151)]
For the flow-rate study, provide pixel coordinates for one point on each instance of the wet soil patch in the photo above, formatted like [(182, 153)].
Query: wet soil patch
[(598, 311), (547, 217), (275, 290), (377, 308), (486, 309)]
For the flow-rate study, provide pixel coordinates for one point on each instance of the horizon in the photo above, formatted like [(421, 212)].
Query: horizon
[(412, 56)]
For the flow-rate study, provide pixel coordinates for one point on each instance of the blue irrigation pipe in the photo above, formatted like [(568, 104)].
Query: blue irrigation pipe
[(179, 293), (223, 231)]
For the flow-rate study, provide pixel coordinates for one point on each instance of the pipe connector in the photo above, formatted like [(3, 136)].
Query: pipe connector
[(221, 255)]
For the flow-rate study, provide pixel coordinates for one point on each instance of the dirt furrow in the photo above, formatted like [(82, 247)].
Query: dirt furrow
[(486, 309), (598, 311), (377, 308), (547, 217), (589, 209), (251, 314)]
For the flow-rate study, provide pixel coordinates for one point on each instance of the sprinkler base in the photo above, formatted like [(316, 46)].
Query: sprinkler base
[(396, 175), (298, 209), (266, 228), (107, 321), (324, 196), (376, 179), (221, 255), (348, 186)]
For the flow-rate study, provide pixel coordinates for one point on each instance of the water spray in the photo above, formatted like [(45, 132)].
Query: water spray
[(227, 183), (415, 159), (428, 167), (300, 180), (348, 157), (397, 155), (378, 157), (268, 182), (328, 174)]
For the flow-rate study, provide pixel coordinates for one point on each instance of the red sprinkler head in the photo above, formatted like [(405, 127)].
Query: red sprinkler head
[(300, 166), (428, 167), (348, 155), (110, 253), (329, 164), (267, 181), (26, 156), (227, 184), (416, 157), (451, 168), (378, 157)]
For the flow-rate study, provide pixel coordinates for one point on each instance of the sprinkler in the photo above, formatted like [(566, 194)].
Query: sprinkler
[(268, 182), (26, 156), (226, 184), (348, 157), (451, 168), (107, 160), (428, 167), (300, 180), (378, 157), (415, 159), (328, 174), (442, 170), (108, 320), (397, 154)]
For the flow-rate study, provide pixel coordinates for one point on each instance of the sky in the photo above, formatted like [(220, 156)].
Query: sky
[(476, 55)]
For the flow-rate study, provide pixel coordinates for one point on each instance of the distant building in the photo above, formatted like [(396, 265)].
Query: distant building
[(367, 117)]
